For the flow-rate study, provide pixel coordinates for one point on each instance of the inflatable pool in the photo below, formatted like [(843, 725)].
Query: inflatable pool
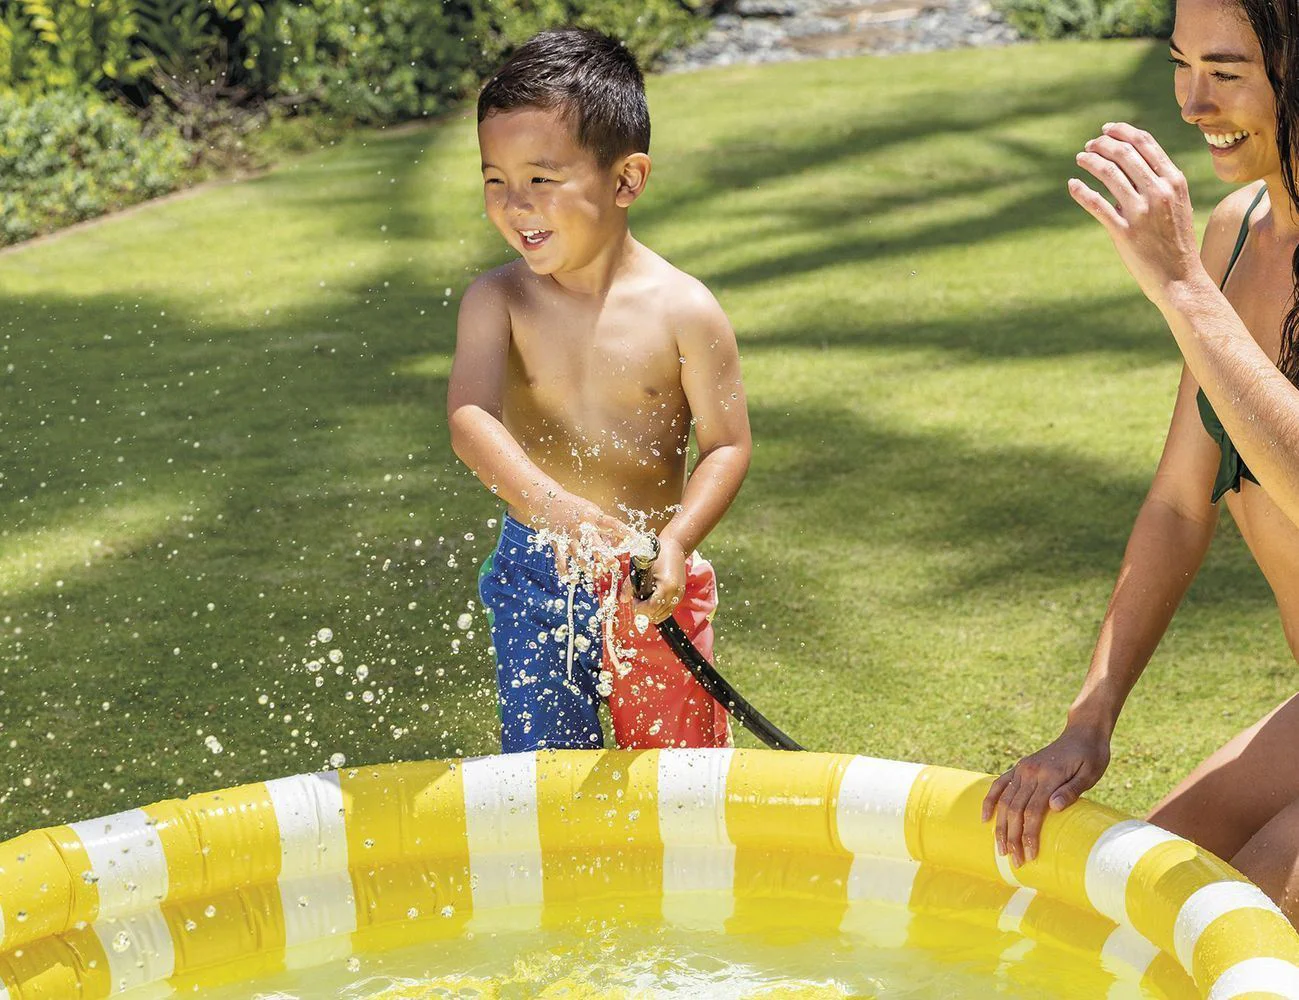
[(685, 873)]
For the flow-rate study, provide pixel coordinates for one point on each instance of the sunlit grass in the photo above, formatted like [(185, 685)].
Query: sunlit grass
[(957, 395)]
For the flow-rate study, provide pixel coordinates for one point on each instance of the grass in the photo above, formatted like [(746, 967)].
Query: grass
[(224, 431)]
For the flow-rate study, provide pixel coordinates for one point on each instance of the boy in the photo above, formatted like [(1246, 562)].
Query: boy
[(578, 373)]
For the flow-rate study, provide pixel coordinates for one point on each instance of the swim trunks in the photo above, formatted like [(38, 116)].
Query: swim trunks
[(556, 659)]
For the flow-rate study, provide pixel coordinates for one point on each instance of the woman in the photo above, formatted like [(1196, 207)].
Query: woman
[(1235, 430)]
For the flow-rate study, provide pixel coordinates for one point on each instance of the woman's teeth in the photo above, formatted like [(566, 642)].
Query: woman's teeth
[(1225, 139), (533, 236)]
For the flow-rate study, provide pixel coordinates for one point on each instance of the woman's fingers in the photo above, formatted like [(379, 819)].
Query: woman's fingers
[(1034, 813), (994, 794), (1003, 811), (1110, 174), (1149, 148), (1140, 174), (1094, 204)]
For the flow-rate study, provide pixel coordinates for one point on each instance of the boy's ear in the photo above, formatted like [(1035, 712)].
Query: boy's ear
[(633, 173)]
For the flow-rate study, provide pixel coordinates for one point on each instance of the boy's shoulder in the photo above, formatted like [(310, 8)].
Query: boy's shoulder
[(500, 283), (686, 298)]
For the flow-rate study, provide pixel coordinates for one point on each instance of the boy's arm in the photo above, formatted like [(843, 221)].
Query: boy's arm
[(710, 376), (475, 393)]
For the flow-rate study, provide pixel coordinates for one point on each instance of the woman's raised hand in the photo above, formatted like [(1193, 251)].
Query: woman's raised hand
[(1052, 778), (1150, 217)]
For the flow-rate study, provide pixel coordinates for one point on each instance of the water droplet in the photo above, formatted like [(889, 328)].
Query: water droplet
[(337, 760), (121, 942), (464, 622), (412, 913), (335, 656), (448, 910), (210, 912), (354, 964), (325, 634)]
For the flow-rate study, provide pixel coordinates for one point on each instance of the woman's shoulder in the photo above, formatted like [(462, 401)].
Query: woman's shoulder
[(1225, 225)]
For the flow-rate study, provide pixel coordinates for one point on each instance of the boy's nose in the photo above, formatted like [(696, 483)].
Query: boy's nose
[(518, 202)]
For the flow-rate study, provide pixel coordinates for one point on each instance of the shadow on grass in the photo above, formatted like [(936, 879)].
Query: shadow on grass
[(284, 476)]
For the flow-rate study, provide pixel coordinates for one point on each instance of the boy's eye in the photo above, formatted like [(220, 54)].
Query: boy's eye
[(541, 180), (492, 180)]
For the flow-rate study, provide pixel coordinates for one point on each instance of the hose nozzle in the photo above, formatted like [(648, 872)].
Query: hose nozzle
[(642, 561)]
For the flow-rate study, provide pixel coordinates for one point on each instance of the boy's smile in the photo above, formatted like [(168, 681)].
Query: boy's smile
[(547, 195)]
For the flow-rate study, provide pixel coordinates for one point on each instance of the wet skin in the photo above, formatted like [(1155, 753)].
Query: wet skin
[(581, 369), (1243, 802)]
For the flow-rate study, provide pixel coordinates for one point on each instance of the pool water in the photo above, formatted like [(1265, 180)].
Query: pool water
[(795, 951)]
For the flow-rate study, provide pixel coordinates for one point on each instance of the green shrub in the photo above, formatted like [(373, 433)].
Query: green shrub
[(48, 45), (383, 62), (1089, 18), (70, 156)]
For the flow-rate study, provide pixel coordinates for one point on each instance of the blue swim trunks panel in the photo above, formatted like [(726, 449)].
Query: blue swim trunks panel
[(536, 626)]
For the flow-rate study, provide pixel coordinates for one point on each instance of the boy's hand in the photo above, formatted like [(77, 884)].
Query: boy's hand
[(665, 581), (587, 539)]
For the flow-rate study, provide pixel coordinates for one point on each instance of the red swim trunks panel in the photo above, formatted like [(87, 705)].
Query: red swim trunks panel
[(655, 701)]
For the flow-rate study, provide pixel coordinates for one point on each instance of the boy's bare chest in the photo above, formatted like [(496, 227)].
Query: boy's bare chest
[(616, 361)]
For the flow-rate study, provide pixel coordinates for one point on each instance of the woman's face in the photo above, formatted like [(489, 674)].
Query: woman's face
[(1222, 87)]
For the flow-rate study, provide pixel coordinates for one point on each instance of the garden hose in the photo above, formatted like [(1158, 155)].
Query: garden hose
[(717, 686)]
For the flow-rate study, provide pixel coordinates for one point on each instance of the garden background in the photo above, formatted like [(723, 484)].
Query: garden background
[(235, 544)]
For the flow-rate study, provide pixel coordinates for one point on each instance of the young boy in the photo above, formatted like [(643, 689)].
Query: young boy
[(579, 371)]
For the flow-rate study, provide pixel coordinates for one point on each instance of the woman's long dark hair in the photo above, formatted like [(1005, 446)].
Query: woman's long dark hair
[(1276, 23)]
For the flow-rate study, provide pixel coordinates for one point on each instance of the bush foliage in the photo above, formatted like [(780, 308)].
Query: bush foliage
[(1089, 18), (66, 156), (210, 72)]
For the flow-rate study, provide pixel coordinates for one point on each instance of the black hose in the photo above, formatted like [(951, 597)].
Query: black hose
[(717, 686)]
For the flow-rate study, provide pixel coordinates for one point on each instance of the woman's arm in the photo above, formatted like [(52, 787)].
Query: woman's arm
[(1167, 545), (1150, 224)]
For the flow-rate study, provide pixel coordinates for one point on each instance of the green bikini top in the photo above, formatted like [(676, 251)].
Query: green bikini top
[(1231, 467)]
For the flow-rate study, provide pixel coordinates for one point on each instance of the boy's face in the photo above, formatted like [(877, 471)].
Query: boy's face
[(549, 197)]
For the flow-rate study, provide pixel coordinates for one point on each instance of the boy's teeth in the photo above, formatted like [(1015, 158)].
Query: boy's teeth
[(1225, 138)]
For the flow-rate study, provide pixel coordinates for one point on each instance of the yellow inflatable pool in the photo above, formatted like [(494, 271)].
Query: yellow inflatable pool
[(305, 886)]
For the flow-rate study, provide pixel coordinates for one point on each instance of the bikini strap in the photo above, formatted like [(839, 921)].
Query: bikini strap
[(1243, 235)]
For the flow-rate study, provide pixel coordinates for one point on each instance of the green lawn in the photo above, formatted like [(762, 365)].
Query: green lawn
[(223, 431)]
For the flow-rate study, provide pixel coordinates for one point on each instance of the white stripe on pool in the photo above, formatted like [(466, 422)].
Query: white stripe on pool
[(697, 849), (1126, 955), (139, 949), (871, 812), (1209, 903), (317, 906), (127, 861), (309, 811), (505, 861), (1258, 975), (1004, 869), (1012, 914), (1111, 861)]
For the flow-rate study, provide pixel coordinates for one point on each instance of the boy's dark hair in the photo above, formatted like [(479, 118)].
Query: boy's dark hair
[(592, 79)]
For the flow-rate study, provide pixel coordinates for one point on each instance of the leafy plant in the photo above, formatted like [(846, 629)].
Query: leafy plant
[(56, 44), (68, 156), (1089, 18)]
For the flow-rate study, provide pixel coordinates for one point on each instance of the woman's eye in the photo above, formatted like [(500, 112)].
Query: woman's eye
[(1225, 76), (1178, 63)]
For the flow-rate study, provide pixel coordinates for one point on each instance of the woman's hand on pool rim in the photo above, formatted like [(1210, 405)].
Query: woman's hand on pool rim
[(1150, 220), (1053, 778)]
